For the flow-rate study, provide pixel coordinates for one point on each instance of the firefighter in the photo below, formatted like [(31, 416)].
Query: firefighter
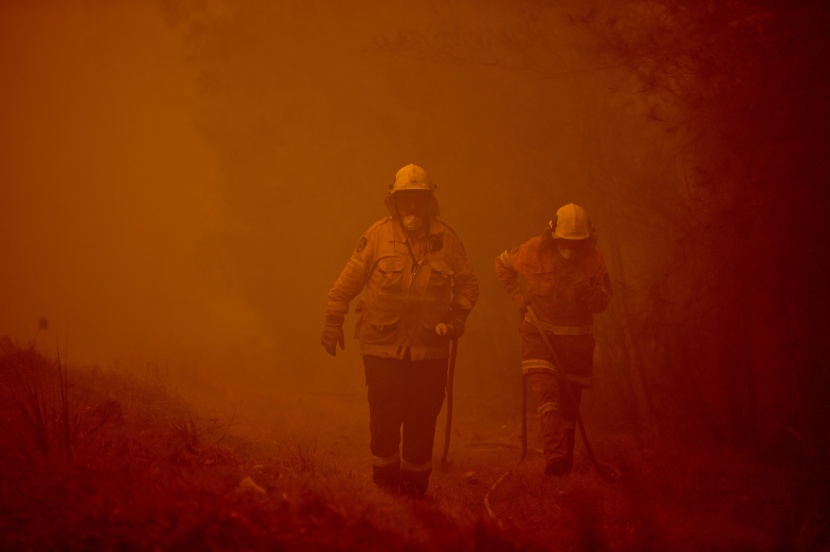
[(566, 283), (419, 289)]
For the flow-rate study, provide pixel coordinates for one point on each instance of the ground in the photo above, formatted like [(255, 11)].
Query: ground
[(102, 460)]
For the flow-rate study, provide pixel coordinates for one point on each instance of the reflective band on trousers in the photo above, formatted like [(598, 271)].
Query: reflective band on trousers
[(564, 330), (380, 462), (409, 466), (539, 366), (536, 365), (548, 407)]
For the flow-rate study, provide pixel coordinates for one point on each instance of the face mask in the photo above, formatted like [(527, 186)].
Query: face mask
[(412, 223), (567, 253)]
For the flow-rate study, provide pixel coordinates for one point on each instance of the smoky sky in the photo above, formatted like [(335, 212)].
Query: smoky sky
[(183, 181)]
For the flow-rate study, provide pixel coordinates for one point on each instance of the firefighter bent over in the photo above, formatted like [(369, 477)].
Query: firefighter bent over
[(419, 289), (566, 284)]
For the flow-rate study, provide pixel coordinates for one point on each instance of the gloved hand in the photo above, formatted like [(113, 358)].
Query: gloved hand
[(445, 330), (521, 301), (581, 287), (333, 335), (595, 293), (454, 326)]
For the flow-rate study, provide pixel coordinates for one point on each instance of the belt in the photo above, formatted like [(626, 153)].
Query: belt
[(565, 330)]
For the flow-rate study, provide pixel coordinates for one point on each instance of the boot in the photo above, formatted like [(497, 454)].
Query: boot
[(386, 477), (557, 466), (414, 483)]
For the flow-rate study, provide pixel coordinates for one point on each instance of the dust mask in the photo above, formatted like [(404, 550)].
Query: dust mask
[(412, 223)]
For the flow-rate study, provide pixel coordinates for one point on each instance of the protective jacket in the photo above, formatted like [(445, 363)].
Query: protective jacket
[(405, 298), (564, 294)]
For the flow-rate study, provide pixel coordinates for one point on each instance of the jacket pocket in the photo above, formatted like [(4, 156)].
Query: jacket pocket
[(380, 328), (390, 273), (440, 277)]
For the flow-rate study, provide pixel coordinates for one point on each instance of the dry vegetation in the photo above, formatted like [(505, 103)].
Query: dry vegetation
[(97, 460)]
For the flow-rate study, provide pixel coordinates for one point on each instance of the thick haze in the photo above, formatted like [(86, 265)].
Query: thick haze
[(182, 185)]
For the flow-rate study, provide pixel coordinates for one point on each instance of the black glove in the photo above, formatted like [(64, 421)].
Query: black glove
[(333, 334), (454, 326)]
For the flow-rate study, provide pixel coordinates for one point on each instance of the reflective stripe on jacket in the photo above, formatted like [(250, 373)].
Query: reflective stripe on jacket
[(404, 301)]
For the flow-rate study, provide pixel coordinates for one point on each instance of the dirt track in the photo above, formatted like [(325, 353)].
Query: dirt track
[(330, 418)]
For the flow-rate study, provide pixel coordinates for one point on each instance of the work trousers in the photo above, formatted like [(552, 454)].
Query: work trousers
[(405, 398), (557, 409)]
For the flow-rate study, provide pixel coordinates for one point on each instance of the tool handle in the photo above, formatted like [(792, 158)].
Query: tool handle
[(450, 374)]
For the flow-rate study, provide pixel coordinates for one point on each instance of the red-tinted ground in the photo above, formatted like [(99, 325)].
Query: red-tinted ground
[(289, 470)]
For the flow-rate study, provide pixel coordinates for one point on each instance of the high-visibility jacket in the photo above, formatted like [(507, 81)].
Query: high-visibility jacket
[(564, 294), (405, 299)]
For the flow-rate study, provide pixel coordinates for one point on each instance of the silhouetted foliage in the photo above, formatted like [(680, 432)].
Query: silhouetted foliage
[(736, 314)]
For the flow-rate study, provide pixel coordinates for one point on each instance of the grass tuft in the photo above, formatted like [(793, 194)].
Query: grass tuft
[(299, 457), (42, 421)]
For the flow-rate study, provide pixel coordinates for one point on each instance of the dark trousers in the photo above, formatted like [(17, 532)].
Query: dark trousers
[(405, 398)]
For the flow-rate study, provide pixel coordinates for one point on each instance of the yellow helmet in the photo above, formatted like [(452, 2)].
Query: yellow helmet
[(571, 223), (412, 177)]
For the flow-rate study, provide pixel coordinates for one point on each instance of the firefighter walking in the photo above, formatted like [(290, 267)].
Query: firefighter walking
[(566, 283), (419, 290)]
